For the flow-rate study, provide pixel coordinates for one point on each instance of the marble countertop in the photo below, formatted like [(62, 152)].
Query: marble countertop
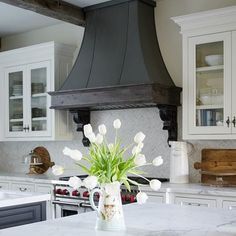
[(141, 220), (194, 188), (47, 179), (11, 198), (191, 188)]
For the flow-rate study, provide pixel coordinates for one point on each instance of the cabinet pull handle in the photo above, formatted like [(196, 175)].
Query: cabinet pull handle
[(22, 189), (228, 122), (27, 128), (234, 121), (194, 204)]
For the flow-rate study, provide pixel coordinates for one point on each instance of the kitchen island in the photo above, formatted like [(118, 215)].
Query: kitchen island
[(18, 208), (142, 220)]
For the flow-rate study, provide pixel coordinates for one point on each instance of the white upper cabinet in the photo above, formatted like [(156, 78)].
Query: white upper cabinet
[(27, 75), (209, 72)]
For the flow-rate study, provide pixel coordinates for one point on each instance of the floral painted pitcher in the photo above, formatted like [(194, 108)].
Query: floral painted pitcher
[(109, 211)]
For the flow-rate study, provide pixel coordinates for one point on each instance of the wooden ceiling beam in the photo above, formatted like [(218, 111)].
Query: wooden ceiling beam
[(57, 9)]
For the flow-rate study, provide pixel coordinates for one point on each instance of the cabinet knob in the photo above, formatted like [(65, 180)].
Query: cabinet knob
[(234, 121), (23, 189), (228, 121)]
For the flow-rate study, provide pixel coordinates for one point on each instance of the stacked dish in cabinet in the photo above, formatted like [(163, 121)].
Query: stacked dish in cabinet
[(209, 84)]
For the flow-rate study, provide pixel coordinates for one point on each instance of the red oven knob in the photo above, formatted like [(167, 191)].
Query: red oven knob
[(127, 197), (132, 199), (59, 191), (76, 193), (86, 194), (65, 192), (96, 196), (123, 198)]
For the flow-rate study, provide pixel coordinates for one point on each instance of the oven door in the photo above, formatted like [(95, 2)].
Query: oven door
[(64, 208)]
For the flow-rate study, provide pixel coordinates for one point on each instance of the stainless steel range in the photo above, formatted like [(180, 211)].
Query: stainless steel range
[(68, 201)]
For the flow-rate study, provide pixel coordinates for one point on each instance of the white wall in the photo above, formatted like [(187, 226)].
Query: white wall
[(61, 33)]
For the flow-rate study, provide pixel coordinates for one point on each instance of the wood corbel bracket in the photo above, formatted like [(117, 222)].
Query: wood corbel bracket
[(168, 115), (81, 118)]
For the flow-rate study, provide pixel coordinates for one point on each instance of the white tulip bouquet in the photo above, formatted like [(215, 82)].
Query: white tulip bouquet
[(110, 162)]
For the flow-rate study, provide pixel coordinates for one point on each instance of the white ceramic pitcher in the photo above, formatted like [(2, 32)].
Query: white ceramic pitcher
[(179, 166), (109, 211)]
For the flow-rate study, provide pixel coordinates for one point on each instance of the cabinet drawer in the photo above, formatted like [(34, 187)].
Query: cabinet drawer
[(23, 187), (4, 185), (184, 201), (156, 198), (230, 205), (43, 188)]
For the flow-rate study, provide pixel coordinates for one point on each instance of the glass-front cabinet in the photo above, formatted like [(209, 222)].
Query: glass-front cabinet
[(28, 102), (209, 92), (39, 99), (27, 75), (209, 74), (15, 107)]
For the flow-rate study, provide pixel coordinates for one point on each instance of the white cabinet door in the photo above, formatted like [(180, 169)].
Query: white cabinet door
[(45, 188), (27, 101), (186, 201), (22, 187), (233, 89), (38, 102), (15, 100), (209, 84), (230, 205), (4, 185), (156, 198)]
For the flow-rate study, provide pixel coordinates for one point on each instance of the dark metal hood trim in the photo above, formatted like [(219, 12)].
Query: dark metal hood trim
[(126, 96)]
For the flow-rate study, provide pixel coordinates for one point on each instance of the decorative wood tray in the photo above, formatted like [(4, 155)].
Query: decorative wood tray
[(40, 168), (218, 167)]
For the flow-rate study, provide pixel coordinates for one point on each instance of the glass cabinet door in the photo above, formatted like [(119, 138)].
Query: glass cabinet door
[(210, 84), (15, 101), (234, 82), (39, 99)]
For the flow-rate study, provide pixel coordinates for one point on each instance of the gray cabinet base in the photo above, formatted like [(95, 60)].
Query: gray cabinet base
[(22, 214)]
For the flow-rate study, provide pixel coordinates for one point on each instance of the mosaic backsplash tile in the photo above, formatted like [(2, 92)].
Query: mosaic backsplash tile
[(146, 120)]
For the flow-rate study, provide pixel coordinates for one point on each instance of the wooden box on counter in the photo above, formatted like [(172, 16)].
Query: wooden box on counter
[(218, 167)]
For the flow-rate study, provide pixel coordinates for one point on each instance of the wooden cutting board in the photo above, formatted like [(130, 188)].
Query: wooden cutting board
[(218, 167)]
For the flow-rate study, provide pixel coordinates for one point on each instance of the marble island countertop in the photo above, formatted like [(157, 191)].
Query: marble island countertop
[(12, 198), (141, 220)]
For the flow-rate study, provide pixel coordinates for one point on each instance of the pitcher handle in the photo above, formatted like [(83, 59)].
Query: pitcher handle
[(192, 150), (91, 198)]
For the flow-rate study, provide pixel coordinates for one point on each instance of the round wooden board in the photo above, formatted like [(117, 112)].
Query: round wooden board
[(45, 159)]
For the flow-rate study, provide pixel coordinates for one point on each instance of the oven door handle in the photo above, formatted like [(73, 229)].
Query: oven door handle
[(65, 203), (85, 205)]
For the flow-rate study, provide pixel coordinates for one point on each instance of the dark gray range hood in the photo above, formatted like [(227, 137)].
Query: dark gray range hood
[(119, 65)]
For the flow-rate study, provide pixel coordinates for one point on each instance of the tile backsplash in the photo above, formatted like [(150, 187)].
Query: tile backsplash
[(146, 120)]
